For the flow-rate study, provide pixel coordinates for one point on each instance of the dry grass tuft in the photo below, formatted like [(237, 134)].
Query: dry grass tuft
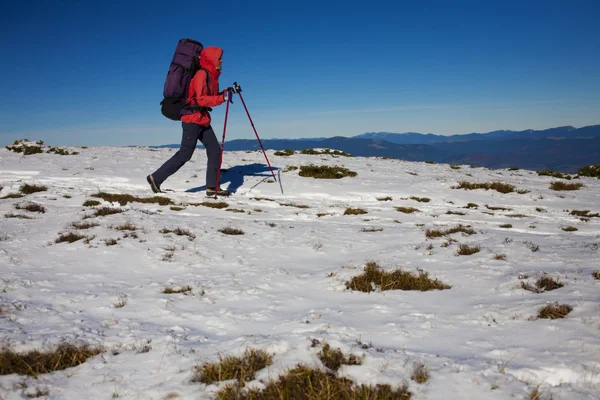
[(543, 284), (293, 205), (29, 189), (231, 231), (596, 275), (13, 196), (373, 277), (325, 152), (569, 229), (177, 208), (554, 174), (500, 257), (421, 199), (406, 210), (123, 199), (211, 204), (104, 211), (84, 225), (334, 358), (387, 198), (306, 383), (592, 171), (497, 186), (471, 205), (554, 311), (584, 213), (179, 232), (91, 203), (31, 207), (420, 373), (34, 363), (240, 368), (455, 213), (372, 229), (559, 185), (434, 233), (20, 216), (354, 211), (466, 250), (289, 168), (493, 208), (235, 210), (284, 153), (182, 290), (69, 237), (111, 241), (325, 172), (506, 226), (125, 227)]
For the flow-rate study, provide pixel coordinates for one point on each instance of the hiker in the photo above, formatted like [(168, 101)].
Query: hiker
[(203, 93)]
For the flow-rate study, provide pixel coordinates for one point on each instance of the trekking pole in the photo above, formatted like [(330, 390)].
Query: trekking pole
[(256, 133), (222, 148)]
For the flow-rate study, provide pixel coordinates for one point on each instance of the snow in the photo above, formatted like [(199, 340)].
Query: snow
[(282, 283)]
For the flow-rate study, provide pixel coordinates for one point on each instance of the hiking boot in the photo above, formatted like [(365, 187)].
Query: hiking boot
[(220, 192), (155, 188)]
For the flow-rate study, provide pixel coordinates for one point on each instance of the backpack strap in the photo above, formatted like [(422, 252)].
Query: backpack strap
[(195, 107)]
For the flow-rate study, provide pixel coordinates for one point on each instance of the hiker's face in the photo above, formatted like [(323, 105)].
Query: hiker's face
[(220, 63)]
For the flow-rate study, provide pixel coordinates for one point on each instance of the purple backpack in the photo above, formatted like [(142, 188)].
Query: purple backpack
[(185, 64)]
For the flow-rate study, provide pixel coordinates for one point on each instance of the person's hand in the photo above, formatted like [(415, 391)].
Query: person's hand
[(236, 88), (227, 95)]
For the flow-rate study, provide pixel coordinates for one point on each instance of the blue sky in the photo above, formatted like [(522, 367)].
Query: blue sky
[(92, 72)]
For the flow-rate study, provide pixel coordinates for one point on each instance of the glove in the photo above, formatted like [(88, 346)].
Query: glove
[(227, 95), (235, 88)]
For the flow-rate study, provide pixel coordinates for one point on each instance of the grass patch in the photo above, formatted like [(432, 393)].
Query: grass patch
[(29, 189), (334, 358), (91, 203), (455, 166), (541, 210), (543, 284), (406, 210), (182, 290), (499, 257), (471, 205), (506, 226), (592, 171), (31, 207), (34, 363), (61, 152), (293, 205), (240, 368), (596, 275), (373, 277), (325, 172), (111, 241), (434, 233), (84, 225), (179, 232), (354, 211), (455, 213), (466, 250), (559, 185), (569, 229), (421, 199), (19, 216), (236, 210), (326, 152), (554, 174), (177, 208), (554, 311), (211, 204), (517, 215), (285, 153), (497, 186), (13, 196), (371, 229), (104, 211), (125, 227), (420, 373), (123, 199), (387, 198), (584, 213), (231, 231), (303, 382), (289, 168), (69, 237), (493, 208)]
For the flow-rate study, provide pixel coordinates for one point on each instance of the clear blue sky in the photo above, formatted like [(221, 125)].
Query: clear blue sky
[(92, 72)]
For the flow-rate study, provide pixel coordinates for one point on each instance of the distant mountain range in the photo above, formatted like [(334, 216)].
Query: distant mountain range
[(562, 149)]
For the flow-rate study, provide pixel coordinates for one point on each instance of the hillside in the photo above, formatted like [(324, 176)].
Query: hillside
[(166, 286)]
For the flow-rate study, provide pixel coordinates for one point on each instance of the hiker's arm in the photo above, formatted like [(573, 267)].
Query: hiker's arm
[(205, 100)]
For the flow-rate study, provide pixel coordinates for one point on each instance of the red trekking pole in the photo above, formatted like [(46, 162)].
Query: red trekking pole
[(222, 148), (256, 133)]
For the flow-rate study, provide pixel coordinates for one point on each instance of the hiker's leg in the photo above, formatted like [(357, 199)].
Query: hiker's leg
[(213, 155), (189, 138)]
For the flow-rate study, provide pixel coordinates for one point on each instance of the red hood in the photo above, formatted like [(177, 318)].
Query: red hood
[(209, 59)]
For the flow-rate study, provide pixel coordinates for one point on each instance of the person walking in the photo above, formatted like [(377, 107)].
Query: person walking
[(203, 94)]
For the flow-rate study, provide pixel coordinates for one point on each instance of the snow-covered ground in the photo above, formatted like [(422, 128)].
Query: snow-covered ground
[(282, 283)]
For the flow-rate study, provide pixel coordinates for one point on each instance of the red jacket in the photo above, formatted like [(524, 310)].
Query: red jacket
[(202, 94)]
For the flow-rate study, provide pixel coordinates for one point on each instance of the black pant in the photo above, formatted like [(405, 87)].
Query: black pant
[(191, 134)]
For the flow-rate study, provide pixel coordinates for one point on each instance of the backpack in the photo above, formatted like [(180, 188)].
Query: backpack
[(185, 64)]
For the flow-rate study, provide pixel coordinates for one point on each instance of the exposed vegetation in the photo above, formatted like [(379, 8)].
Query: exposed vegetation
[(493, 208), (471, 205), (406, 210), (450, 212), (177, 290), (420, 373), (325, 151), (569, 229), (434, 233), (554, 311), (104, 211), (559, 185), (123, 199), (421, 199), (284, 153), (179, 232), (289, 168), (596, 275), (19, 216), (374, 277), (31, 207), (84, 225), (34, 363), (69, 237), (325, 172), (354, 211), (554, 174), (240, 368), (386, 198), (592, 171), (29, 189), (334, 358), (466, 250), (497, 186), (506, 226), (231, 231), (91, 203), (584, 213), (543, 284), (372, 229)]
